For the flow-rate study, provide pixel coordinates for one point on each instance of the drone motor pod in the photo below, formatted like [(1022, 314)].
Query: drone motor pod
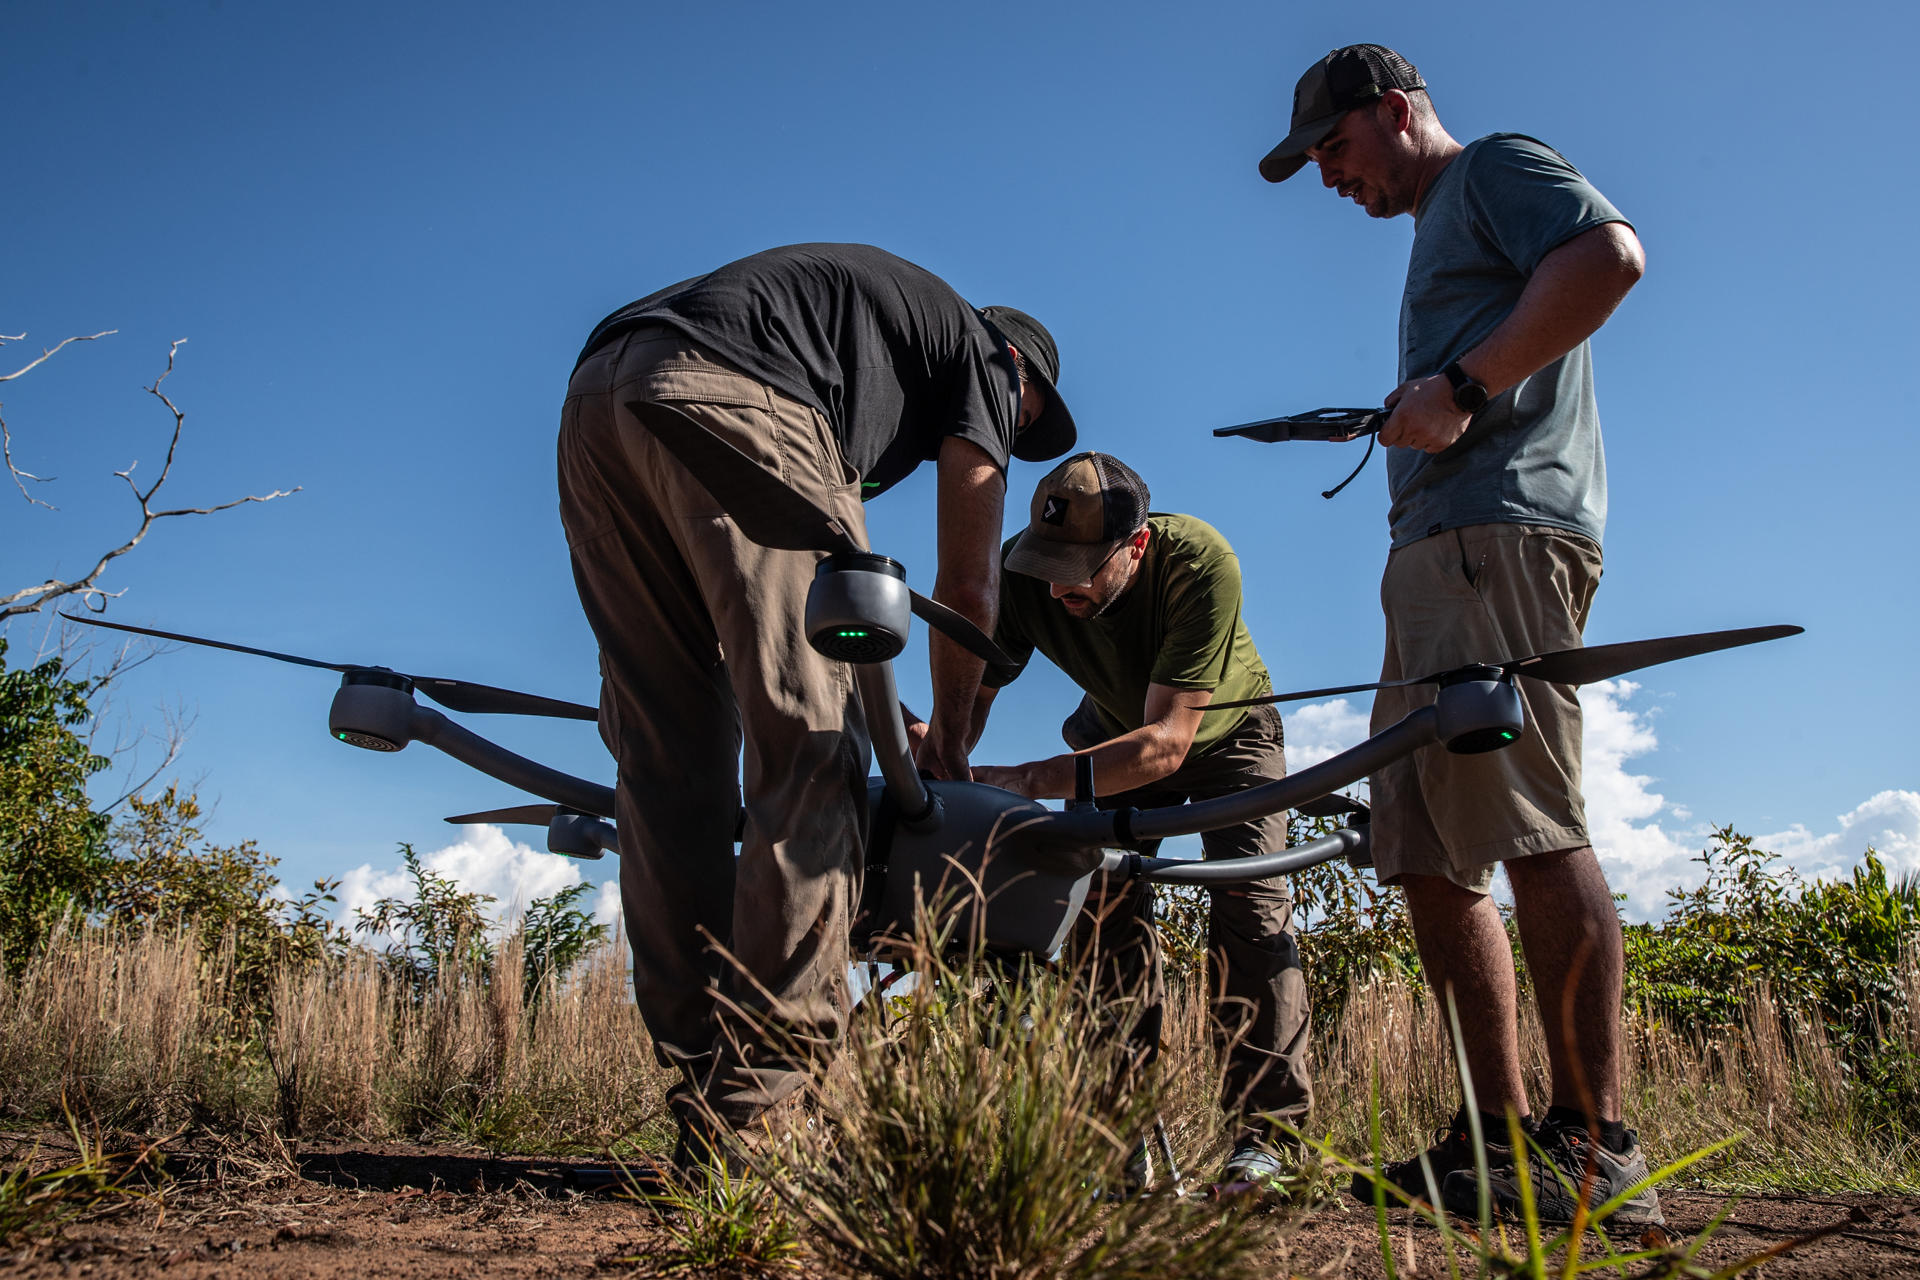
[(373, 709), (1478, 710), (859, 608)]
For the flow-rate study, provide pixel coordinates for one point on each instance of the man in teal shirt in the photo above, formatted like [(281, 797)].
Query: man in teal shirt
[(1143, 612), (1498, 482)]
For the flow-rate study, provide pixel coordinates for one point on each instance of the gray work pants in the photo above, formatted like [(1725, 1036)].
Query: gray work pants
[(1259, 1012), (702, 653)]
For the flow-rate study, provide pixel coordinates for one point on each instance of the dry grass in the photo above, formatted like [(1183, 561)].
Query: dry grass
[(134, 1032)]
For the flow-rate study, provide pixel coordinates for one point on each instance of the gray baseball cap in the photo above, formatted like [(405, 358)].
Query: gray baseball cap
[(1344, 79)]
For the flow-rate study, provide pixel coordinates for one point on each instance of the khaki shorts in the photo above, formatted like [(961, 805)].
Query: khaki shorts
[(1485, 593)]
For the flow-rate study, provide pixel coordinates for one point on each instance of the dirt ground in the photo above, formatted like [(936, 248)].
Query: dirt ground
[(334, 1212)]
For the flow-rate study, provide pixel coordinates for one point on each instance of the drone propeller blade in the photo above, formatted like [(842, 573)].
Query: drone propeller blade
[(1311, 693), (455, 695), (212, 644), (1568, 666), (531, 815), (1334, 805), (958, 628), (768, 510), (1605, 661), (484, 699)]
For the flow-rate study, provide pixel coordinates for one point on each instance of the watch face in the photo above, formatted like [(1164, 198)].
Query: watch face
[(1470, 398)]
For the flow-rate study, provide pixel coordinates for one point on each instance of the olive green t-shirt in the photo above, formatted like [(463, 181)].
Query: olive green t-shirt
[(1178, 624)]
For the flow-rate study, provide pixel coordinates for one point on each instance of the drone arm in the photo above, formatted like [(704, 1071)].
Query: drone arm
[(1096, 828), (1418, 729), (1343, 843), (880, 700), (469, 748)]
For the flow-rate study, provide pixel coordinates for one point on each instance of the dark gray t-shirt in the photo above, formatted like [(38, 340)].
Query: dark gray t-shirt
[(1533, 455), (895, 359)]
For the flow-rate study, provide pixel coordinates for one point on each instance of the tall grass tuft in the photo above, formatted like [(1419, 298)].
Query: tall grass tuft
[(981, 1134), (124, 1027)]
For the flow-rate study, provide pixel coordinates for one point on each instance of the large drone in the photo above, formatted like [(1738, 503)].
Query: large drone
[(1018, 870)]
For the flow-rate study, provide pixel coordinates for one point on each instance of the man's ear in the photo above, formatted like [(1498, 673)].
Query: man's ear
[(1395, 111)]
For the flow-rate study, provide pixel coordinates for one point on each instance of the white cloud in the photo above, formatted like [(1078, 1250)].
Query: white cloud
[(1642, 857), (484, 860), (1648, 845), (1646, 842), (1888, 822), (1321, 730)]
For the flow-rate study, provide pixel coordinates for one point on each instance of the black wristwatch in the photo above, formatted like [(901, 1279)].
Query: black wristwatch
[(1468, 395)]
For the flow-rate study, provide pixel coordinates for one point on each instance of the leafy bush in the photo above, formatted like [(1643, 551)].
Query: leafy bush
[(557, 935), (52, 844), (1830, 948), (441, 927), (163, 873)]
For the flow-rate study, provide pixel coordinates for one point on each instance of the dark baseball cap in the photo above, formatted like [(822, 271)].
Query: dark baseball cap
[(1344, 79), (1052, 433), (1081, 513)]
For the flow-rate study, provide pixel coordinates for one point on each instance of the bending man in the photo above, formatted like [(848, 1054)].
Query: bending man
[(838, 368), (1143, 612)]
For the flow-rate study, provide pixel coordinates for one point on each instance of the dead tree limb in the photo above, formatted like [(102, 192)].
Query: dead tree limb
[(6, 435), (85, 589)]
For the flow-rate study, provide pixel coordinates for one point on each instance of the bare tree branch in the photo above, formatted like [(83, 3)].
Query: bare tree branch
[(45, 353), (32, 598), (6, 436)]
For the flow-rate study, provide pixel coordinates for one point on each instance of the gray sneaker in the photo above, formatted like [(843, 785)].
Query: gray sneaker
[(1565, 1167), (1255, 1165)]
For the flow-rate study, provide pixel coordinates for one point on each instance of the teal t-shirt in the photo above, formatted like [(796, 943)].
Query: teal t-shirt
[(1177, 624), (1533, 455)]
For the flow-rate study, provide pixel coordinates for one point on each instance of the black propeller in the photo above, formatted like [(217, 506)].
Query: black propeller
[(773, 514), (533, 815), (1334, 805), (455, 695), (1567, 666)]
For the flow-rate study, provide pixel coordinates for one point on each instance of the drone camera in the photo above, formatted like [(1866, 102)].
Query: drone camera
[(373, 710), (858, 608), (1479, 710)]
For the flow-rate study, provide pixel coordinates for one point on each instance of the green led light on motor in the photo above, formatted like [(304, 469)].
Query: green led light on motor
[(1506, 735), (851, 634)]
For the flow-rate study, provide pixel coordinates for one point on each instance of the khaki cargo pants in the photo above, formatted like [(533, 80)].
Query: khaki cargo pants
[(739, 966), (1258, 994)]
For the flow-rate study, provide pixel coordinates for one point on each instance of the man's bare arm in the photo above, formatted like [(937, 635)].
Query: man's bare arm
[(1146, 755), (982, 704), (972, 495), (1568, 297)]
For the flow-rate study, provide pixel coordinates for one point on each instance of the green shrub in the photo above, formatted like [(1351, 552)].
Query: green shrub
[(1830, 948), (53, 846)]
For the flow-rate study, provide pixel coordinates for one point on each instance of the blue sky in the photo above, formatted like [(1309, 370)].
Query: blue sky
[(386, 229)]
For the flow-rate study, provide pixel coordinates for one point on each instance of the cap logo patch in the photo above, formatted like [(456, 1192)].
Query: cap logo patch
[(1054, 511)]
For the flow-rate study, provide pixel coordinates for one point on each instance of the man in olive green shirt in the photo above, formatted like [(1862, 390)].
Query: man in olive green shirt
[(1142, 611)]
